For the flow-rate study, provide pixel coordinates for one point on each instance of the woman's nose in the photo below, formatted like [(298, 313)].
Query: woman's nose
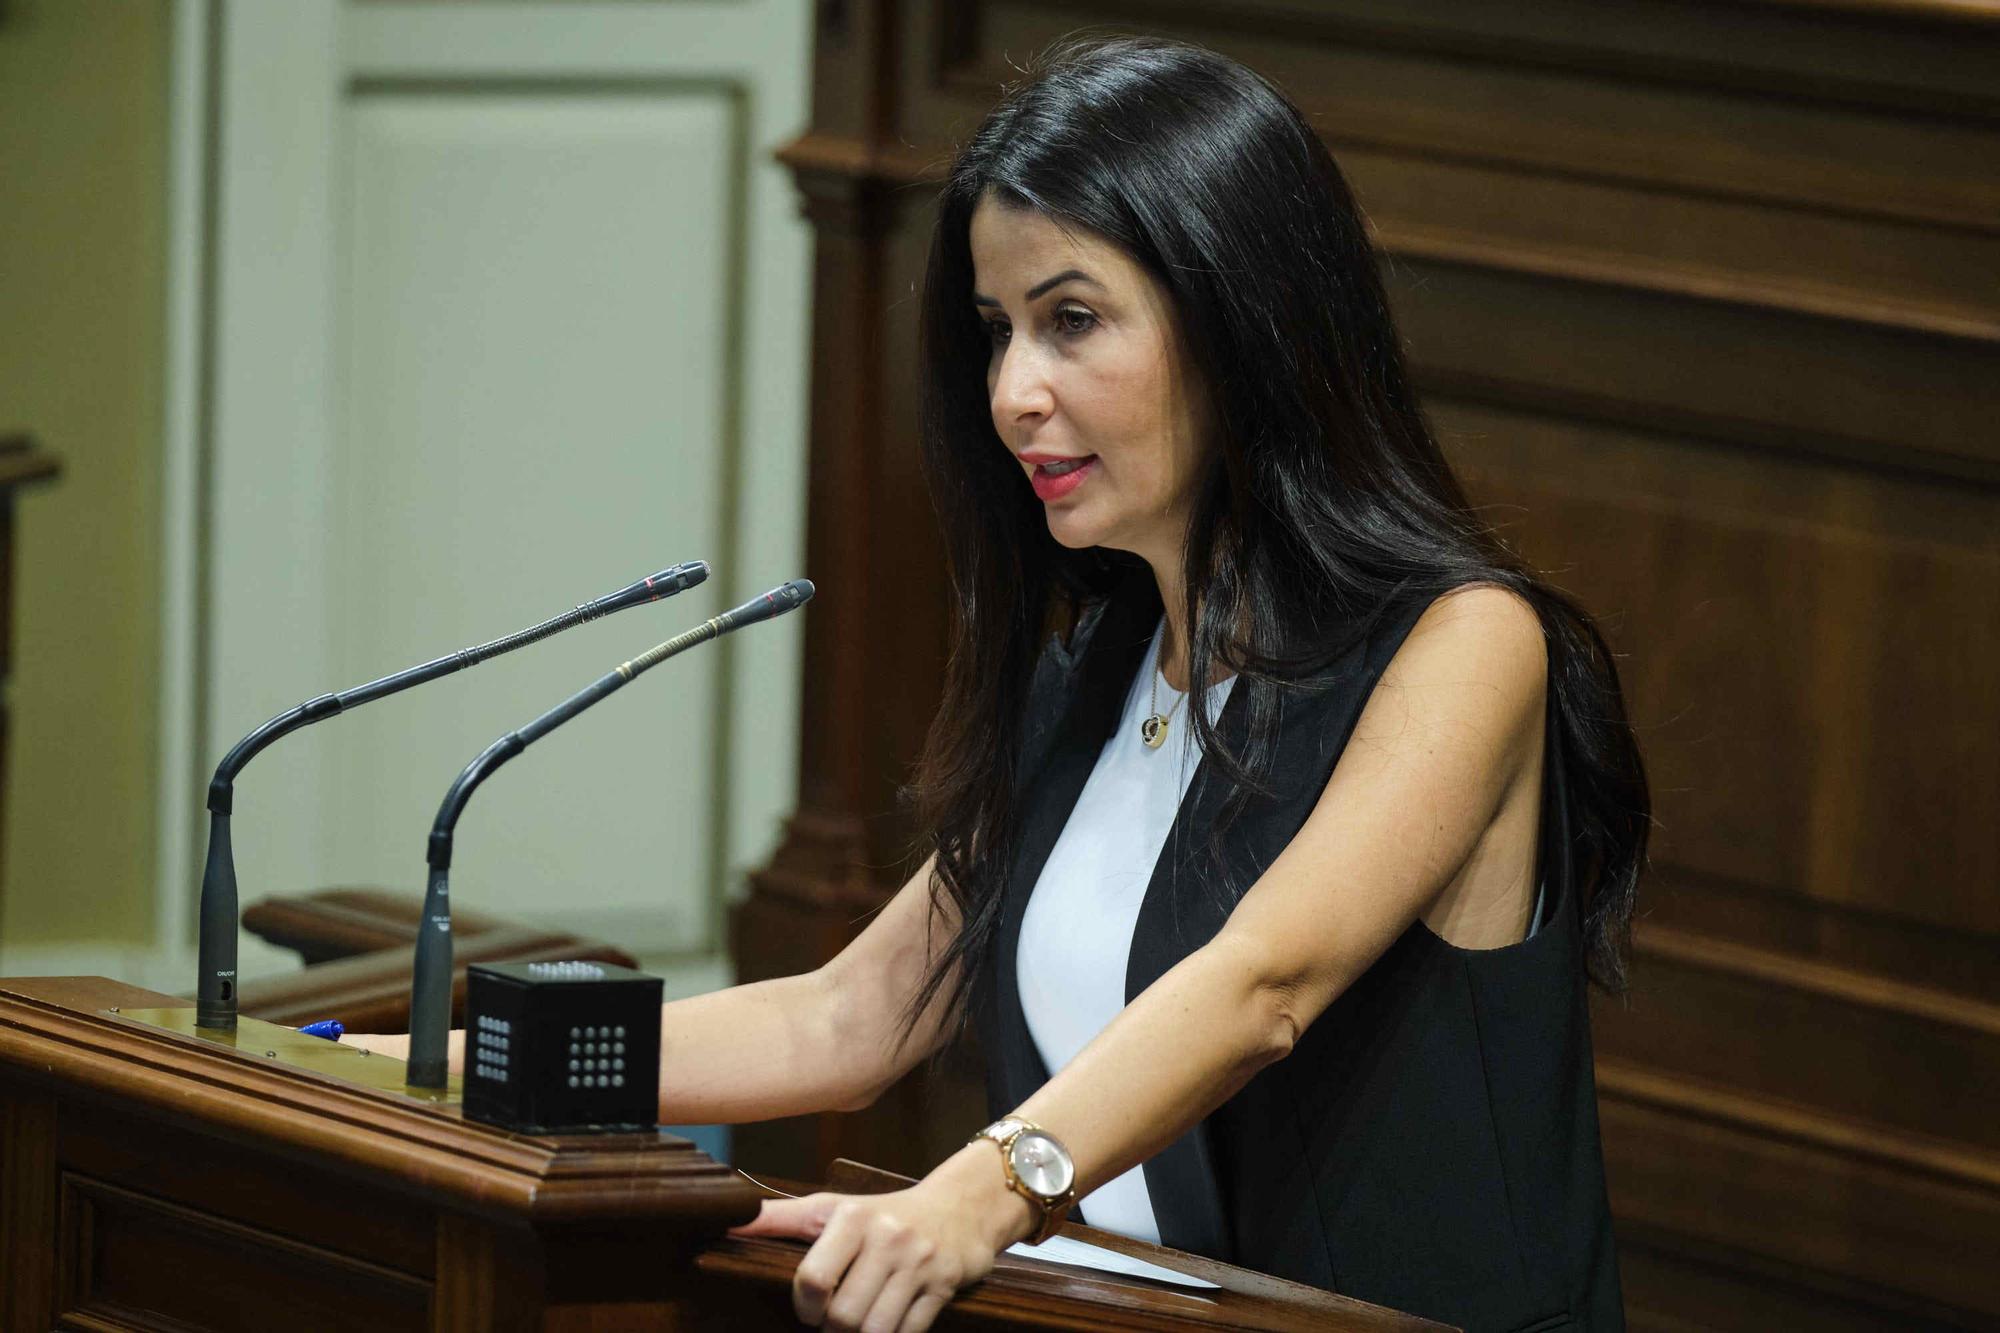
[(1020, 388)]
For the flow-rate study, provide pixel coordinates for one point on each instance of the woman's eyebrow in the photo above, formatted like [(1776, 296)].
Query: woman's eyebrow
[(1034, 292)]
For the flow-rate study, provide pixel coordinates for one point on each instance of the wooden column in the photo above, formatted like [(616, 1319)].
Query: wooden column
[(875, 636)]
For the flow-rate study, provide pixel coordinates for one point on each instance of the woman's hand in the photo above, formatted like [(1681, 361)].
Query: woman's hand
[(398, 1045), (381, 1043), (887, 1263)]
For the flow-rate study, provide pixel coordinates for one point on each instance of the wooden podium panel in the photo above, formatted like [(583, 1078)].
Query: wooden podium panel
[(155, 1180)]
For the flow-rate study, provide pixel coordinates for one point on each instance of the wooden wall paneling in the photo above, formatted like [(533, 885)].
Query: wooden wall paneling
[(1506, 104), (127, 1257), (1725, 371), (27, 1212), (1699, 294), (145, 1206), (1907, 54), (1870, 270), (855, 43), (490, 1278), (1666, 1275), (1801, 767), (1931, 1080), (1902, 964), (243, 1186), (1760, 1195)]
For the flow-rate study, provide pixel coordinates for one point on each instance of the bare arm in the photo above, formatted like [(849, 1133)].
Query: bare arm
[(822, 1041)]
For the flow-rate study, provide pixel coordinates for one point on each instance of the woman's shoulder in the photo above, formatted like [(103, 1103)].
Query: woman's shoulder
[(1475, 655), (1489, 620), (1478, 618)]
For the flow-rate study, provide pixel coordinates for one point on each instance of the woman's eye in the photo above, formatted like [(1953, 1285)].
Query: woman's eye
[(998, 330), (1071, 319)]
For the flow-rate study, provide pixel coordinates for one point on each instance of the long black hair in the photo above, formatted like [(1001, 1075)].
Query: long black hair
[(1325, 500)]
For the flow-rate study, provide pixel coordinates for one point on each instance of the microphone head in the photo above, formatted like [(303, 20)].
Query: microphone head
[(678, 578), (785, 597), (672, 579)]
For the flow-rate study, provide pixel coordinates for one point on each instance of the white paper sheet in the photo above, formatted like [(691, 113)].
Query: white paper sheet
[(1078, 1254)]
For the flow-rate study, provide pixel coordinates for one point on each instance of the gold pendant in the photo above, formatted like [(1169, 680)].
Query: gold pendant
[(1153, 731)]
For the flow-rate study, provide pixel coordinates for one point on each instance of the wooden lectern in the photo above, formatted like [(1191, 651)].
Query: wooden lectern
[(153, 1179)]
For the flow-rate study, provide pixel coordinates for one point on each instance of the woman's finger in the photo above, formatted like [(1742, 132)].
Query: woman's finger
[(922, 1313), (803, 1219), (819, 1273), (866, 1277), (885, 1315), (377, 1042)]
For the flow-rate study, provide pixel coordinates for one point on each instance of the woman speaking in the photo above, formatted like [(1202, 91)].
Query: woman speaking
[(1276, 814)]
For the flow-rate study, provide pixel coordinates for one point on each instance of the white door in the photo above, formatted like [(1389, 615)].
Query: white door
[(508, 307)]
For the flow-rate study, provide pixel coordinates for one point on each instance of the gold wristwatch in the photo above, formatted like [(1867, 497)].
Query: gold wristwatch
[(1038, 1169)]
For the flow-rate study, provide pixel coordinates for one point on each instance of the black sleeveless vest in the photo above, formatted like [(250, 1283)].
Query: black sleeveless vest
[(1431, 1142)]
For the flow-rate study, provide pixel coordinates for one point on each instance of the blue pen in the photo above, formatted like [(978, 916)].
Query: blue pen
[(330, 1028)]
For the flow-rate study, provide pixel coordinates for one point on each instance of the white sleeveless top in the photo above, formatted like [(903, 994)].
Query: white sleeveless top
[(1076, 935)]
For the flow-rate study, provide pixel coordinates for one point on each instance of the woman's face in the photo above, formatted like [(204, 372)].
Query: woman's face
[(1089, 385)]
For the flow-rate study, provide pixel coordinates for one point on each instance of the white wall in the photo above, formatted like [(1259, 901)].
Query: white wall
[(481, 310)]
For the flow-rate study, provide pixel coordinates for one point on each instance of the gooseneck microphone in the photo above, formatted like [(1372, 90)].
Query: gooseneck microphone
[(430, 986), (215, 991)]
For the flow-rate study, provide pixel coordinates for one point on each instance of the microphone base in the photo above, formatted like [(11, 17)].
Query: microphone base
[(426, 1076)]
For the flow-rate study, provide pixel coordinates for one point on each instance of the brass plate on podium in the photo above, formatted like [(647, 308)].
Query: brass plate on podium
[(288, 1046)]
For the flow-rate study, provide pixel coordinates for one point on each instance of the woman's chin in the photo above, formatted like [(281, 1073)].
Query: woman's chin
[(1079, 530), (1072, 530)]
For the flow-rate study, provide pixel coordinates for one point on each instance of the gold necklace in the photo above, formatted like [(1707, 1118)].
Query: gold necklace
[(1153, 731)]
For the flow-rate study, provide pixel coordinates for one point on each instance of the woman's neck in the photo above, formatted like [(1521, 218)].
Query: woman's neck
[(1173, 658), (1173, 645)]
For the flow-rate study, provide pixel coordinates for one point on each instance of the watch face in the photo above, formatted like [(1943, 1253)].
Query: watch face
[(1042, 1165)]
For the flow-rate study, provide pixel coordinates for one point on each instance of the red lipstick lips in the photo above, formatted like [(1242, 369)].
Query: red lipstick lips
[(1055, 476)]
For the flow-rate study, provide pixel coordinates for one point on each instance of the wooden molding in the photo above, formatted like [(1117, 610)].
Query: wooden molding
[(1843, 984), (1589, 49), (1027, 1293), (63, 1029), (1944, 13), (828, 155), (1754, 1187), (1633, 273), (824, 153), (1680, 423), (1675, 1093)]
